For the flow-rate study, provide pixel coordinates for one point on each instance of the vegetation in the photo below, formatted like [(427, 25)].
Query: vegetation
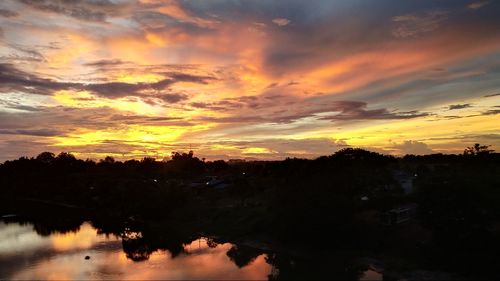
[(293, 204)]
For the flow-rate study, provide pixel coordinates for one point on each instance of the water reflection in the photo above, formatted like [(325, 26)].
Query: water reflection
[(131, 250), (25, 254)]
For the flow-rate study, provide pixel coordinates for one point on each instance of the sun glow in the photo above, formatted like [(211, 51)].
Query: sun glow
[(149, 136), (135, 78)]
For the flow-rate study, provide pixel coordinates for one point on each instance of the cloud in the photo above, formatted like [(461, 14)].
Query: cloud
[(35, 132), (477, 5), (355, 110), (459, 106), (492, 95), (179, 12), (8, 13), (198, 63), (92, 11), (105, 63), (12, 79), (413, 25), (491, 112), (413, 147), (64, 119), (28, 52), (27, 146), (172, 98), (280, 109), (281, 21)]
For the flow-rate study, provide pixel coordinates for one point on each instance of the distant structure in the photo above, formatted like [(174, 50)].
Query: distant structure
[(400, 214)]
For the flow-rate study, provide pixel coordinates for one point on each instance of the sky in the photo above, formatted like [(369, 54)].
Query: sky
[(255, 79)]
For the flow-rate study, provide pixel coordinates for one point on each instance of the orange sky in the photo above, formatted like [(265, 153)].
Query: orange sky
[(247, 79)]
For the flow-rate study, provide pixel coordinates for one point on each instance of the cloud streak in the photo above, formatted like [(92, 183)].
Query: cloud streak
[(477, 5), (12, 79), (413, 25)]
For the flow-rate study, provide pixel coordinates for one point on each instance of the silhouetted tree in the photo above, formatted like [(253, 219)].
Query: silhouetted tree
[(108, 160), (65, 157), (185, 164), (182, 156), (46, 157), (478, 149)]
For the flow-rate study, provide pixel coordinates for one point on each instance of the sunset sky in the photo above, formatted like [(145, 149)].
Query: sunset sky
[(263, 79)]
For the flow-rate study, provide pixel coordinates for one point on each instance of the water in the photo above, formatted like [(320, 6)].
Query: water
[(57, 249), (27, 252)]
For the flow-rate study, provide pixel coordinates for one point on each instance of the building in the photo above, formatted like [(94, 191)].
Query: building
[(400, 214)]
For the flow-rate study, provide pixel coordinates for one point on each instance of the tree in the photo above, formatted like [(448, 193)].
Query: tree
[(185, 163), (148, 161), (181, 156), (65, 157), (108, 160), (478, 149), (46, 157)]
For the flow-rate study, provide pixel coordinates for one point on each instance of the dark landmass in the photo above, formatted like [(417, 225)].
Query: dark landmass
[(409, 215)]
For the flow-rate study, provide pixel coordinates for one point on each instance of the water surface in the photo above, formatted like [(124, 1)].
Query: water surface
[(26, 252)]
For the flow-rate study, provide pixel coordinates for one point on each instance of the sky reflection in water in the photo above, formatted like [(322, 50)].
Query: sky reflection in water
[(26, 255)]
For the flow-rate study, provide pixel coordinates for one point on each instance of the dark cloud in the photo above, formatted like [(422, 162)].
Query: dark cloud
[(106, 63), (449, 117), (172, 98), (29, 51), (175, 77), (491, 112), (93, 11), (234, 119), (283, 110), (272, 85), (355, 110), (492, 95), (35, 132), (25, 107), (23, 53), (12, 79), (8, 14), (459, 106), (224, 105), (116, 89), (146, 120), (64, 119), (122, 89)]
